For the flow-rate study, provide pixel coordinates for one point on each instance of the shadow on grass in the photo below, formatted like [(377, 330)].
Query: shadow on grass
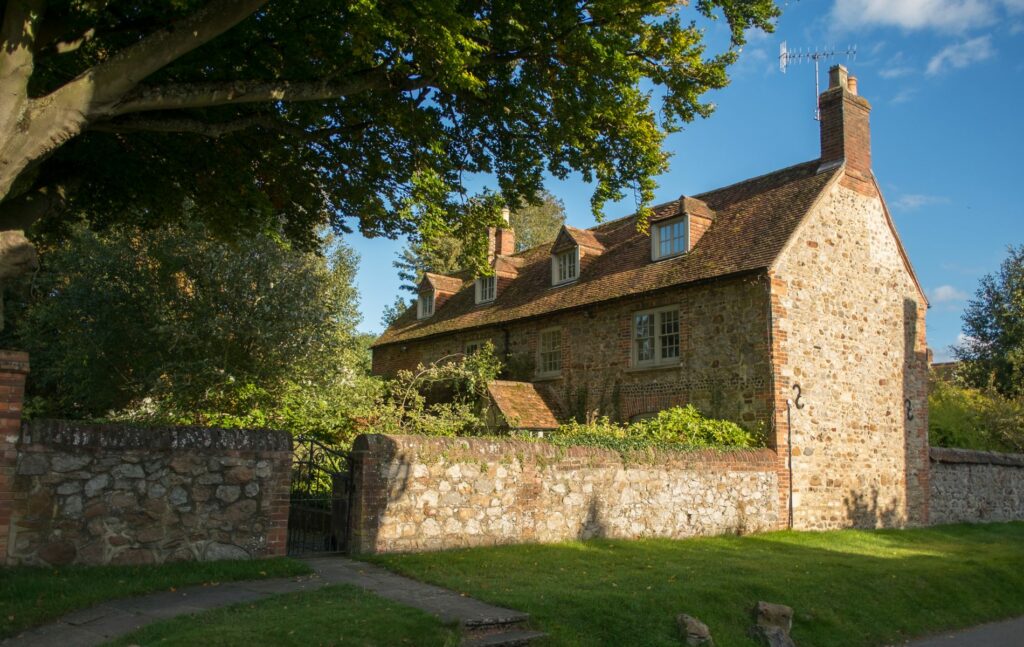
[(848, 588)]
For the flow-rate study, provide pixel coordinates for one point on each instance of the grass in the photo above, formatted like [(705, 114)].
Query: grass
[(848, 588), (31, 596), (336, 615)]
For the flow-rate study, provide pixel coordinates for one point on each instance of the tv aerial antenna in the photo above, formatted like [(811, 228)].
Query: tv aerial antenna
[(787, 57)]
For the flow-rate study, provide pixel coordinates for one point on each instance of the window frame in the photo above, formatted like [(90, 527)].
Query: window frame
[(656, 254), (475, 344), (541, 372), (657, 338), (574, 254), (480, 288), (424, 297)]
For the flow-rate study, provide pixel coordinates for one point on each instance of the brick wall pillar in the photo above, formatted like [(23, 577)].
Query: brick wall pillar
[(280, 502), (13, 369)]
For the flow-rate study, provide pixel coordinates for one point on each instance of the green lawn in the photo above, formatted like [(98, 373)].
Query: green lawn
[(31, 596), (856, 588), (336, 615)]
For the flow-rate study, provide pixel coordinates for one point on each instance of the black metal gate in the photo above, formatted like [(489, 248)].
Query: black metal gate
[(318, 515)]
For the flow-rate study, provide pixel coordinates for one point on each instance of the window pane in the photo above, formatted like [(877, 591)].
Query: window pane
[(669, 334), (644, 335), (664, 240), (644, 326), (551, 351), (487, 285), (678, 237), (567, 266), (645, 349)]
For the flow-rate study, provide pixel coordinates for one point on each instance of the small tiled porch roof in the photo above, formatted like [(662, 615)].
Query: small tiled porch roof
[(522, 405)]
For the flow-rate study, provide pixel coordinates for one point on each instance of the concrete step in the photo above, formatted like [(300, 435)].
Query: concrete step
[(493, 617), (510, 638)]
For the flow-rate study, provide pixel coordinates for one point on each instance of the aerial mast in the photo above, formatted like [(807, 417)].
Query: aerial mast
[(786, 57)]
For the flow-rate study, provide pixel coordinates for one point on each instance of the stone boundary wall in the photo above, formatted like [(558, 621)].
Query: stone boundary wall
[(124, 494), (415, 493), (972, 486)]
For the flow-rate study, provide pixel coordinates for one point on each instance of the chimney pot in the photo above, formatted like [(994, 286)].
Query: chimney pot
[(851, 85), (506, 215), (837, 76)]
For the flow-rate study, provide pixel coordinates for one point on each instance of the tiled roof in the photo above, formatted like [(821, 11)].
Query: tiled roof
[(442, 282), (522, 405), (753, 221)]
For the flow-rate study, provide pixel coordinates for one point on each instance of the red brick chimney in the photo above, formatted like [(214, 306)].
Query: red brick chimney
[(845, 132), (501, 241)]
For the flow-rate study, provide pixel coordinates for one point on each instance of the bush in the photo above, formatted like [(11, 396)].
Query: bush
[(446, 398), (974, 419), (675, 428)]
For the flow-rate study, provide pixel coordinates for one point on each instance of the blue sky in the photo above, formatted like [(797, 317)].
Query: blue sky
[(946, 82)]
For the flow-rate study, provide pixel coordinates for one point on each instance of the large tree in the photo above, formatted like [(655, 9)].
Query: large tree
[(257, 112), (993, 349), (171, 324)]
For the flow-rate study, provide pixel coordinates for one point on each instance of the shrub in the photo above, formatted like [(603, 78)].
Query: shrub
[(675, 428), (446, 398), (974, 419)]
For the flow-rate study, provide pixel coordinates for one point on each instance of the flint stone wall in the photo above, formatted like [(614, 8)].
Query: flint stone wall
[(971, 486), (122, 494), (417, 493)]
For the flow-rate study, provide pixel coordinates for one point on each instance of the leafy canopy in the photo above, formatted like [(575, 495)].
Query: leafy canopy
[(534, 224), (993, 350), (289, 114), (172, 325)]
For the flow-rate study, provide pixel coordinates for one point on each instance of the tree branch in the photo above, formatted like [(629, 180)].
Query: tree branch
[(203, 95), (111, 79), (196, 126), (219, 129), (24, 211), (17, 36)]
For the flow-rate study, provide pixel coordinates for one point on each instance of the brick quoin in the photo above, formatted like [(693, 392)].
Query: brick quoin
[(14, 367)]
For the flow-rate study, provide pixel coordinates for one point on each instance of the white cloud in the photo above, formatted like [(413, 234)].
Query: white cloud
[(942, 15), (946, 294), (896, 72), (904, 96), (961, 55), (912, 201)]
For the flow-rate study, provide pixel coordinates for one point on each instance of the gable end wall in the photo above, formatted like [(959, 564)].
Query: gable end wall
[(849, 329)]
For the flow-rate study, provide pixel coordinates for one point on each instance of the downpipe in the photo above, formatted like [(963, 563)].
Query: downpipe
[(799, 404)]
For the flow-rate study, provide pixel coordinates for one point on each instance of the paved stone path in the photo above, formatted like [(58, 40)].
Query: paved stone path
[(114, 618), (1008, 633)]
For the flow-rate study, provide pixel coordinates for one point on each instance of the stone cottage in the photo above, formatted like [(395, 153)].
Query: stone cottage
[(784, 302)]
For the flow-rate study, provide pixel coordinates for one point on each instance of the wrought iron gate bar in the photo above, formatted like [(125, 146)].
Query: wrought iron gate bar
[(318, 511)]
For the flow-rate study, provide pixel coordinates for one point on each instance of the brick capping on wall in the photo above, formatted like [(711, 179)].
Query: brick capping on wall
[(427, 493), (83, 435), (970, 456)]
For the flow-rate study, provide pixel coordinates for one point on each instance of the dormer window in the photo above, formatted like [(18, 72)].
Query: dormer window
[(486, 288), (425, 305), (670, 238), (565, 266)]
